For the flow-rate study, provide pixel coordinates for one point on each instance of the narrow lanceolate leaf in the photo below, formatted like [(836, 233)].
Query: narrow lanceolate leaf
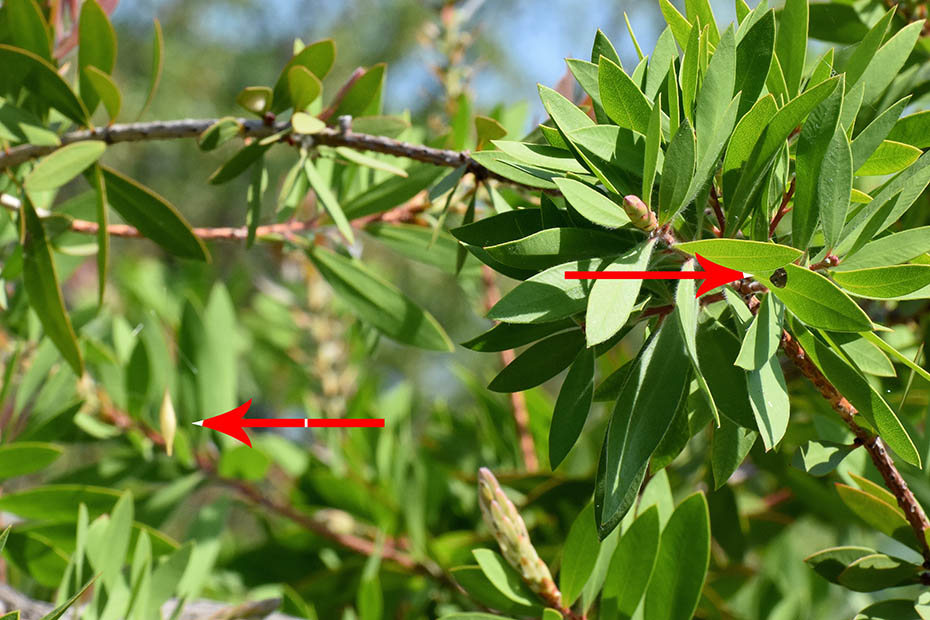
[(552, 246), (763, 336), (633, 562), (879, 514), (892, 249), (791, 44), (45, 82), (103, 237), (18, 125), (870, 138), (877, 341), (611, 301), (330, 203), (650, 397), (818, 134), (688, 309), (818, 302), (888, 61), (681, 565), (153, 216), (96, 48), (41, 282), (743, 255), (592, 205), (571, 408), (890, 157), (579, 555), (753, 58), (106, 90), (62, 165), (884, 282), (653, 147), (256, 190), (859, 392), (677, 172), (834, 186), (769, 398), (729, 446), (378, 302), (539, 363), (743, 140), (717, 350), (158, 64), (622, 99)]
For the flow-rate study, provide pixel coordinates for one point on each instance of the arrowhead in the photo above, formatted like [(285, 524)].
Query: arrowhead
[(717, 275), (230, 423)]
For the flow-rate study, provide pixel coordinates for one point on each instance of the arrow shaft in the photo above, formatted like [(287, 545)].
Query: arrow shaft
[(315, 423), (635, 275)]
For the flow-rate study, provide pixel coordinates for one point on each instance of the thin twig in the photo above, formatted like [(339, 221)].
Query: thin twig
[(715, 205), (521, 415), (250, 128), (783, 209)]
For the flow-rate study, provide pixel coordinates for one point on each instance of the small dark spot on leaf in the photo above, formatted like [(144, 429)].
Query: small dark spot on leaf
[(780, 278)]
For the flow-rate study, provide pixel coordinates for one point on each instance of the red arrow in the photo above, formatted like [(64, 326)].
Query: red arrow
[(232, 422), (714, 275)]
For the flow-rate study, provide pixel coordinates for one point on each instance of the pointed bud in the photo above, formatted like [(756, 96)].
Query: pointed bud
[(509, 530), (641, 216), (168, 421)]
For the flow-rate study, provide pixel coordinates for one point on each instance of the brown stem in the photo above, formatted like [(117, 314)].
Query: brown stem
[(715, 205), (249, 128), (830, 260), (783, 209), (913, 511), (521, 415)]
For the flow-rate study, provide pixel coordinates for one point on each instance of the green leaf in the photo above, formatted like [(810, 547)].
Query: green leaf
[(41, 282), (502, 164), (768, 396), (611, 301), (504, 336), (504, 577), (552, 246), (791, 44), (884, 282), (26, 457), (877, 341), (96, 48), (364, 96), (653, 149), (56, 502), (59, 611), (548, 295), (153, 216), (378, 302), (541, 155), (220, 132), (257, 187), (63, 164), (677, 22), (571, 409), (877, 572), (859, 392), (18, 125), (754, 52), (254, 99), (877, 131), (28, 28), (106, 89), (633, 562), (488, 129), (829, 563), (330, 203), (158, 64), (650, 397), (539, 363), (743, 255), (913, 129), (763, 336), (622, 99), (593, 205), (392, 192), (890, 157), (688, 309), (834, 186), (869, 358), (887, 62), (688, 78), (303, 87), (317, 57), (676, 585), (818, 302), (578, 556), (729, 447), (819, 135), (743, 140), (892, 249), (819, 458), (677, 173), (479, 587), (699, 12), (867, 46), (565, 114), (664, 55), (878, 514)]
